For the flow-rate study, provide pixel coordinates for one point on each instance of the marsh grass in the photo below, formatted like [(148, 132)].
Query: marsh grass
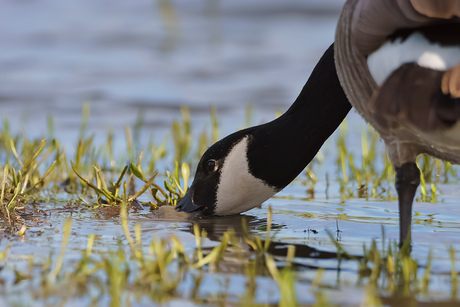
[(36, 170), (394, 271), (360, 177)]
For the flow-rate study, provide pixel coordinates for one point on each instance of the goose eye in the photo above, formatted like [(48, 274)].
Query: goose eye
[(211, 165)]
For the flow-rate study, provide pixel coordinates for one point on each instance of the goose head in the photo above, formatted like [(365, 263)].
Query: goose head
[(225, 182)]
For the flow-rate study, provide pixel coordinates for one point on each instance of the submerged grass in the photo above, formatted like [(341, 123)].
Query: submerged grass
[(34, 171)]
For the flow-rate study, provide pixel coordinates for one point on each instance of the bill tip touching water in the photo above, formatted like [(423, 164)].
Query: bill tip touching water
[(246, 168)]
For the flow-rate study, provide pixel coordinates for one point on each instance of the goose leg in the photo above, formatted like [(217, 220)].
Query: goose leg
[(407, 181)]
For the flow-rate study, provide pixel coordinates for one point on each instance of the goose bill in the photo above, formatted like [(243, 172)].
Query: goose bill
[(186, 203)]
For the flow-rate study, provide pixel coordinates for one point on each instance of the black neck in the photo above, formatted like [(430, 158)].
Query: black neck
[(281, 149)]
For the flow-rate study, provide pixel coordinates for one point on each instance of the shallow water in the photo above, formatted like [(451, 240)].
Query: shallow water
[(126, 58)]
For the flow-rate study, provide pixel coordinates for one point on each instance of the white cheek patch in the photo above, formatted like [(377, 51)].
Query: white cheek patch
[(238, 190), (415, 49)]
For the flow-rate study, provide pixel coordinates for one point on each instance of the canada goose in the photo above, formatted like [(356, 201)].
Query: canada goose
[(247, 167), (398, 63)]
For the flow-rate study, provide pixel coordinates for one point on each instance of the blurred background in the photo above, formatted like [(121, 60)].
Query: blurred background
[(147, 58)]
